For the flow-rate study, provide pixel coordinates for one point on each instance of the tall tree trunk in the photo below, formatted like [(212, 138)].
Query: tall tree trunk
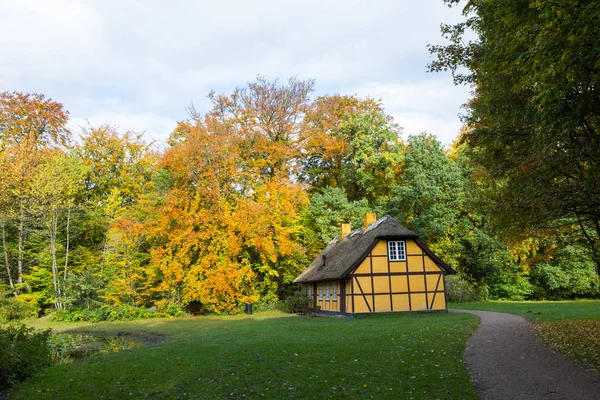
[(21, 240), (104, 251), (6, 261), (592, 242), (596, 254), (55, 276), (67, 244)]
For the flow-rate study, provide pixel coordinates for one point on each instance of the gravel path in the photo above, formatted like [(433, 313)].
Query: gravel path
[(506, 362)]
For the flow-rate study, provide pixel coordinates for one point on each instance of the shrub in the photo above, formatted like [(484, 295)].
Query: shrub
[(458, 289), (12, 309), (23, 351), (298, 302), (570, 274), (516, 289), (267, 305), (116, 313)]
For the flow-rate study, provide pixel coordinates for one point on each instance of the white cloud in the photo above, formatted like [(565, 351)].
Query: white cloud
[(432, 105), (153, 58), (445, 129), (154, 127)]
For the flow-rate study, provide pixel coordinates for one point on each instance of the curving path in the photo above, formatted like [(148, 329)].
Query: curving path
[(506, 362)]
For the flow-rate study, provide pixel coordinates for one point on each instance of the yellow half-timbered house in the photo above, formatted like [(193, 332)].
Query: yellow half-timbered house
[(381, 267)]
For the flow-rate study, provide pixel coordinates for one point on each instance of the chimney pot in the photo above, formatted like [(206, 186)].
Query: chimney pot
[(345, 229), (369, 219)]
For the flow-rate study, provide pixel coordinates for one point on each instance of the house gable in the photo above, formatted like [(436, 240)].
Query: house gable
[(381, 285)]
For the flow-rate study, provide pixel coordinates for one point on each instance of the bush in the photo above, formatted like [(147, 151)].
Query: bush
[(518, 288), (296, 303), (267, 305), (23, 351), (570, 274), (12, 309), (116, 313), (460, 290)]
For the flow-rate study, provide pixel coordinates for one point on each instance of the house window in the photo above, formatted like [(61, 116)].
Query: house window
[(334, 291), (397, 250), (320, 291), (327, 291), (309, 291)]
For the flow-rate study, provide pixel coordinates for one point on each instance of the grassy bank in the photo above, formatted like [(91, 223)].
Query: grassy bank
[(569, 327), (271, 355)]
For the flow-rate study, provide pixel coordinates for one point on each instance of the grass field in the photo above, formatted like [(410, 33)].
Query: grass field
[(271, 355), (569, 327)]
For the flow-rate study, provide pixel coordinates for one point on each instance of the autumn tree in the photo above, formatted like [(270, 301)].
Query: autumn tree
[(55, 187), (118, 168), (194, 258), (225, 231), (352, 144), (30, 124), (534, 120)]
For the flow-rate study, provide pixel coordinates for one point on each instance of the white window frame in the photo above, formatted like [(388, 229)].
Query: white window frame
[(396, 250), (327, 291), (309, 291), (320, 291), (334, 291)]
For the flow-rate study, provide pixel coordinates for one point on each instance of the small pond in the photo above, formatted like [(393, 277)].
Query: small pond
[(67, 347)]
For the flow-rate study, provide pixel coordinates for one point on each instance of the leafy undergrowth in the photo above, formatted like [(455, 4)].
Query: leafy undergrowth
[(578, 340), (571, 328), (274, 356)]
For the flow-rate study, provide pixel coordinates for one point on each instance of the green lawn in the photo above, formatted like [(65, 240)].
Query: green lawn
[(569, 327), (271, 355)]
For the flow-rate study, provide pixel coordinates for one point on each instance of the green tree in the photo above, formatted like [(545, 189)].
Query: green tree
[(352, 144), (534, 121), (119, 168), (433, 198), (328, 209), (55, 188)]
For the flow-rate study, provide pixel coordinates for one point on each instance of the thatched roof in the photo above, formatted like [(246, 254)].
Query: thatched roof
[(341, 257)]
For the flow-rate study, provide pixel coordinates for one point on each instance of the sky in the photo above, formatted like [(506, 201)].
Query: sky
[(139, 65)]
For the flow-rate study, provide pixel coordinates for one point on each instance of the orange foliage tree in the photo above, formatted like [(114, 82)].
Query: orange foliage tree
[(225, 231)]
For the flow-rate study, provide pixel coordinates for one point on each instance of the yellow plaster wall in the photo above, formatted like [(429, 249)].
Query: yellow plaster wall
[(398, 266), (439, 303), (412, 248), (417, 283), (381, 284), (380, 265), (442, 286), (382, 303), (399, 283), (400, 302), (360, 304), (415, 263), (364, 267), (380, 249), (349, 304), (418, 301), (362, 284), (431, 266), (432, 281)]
